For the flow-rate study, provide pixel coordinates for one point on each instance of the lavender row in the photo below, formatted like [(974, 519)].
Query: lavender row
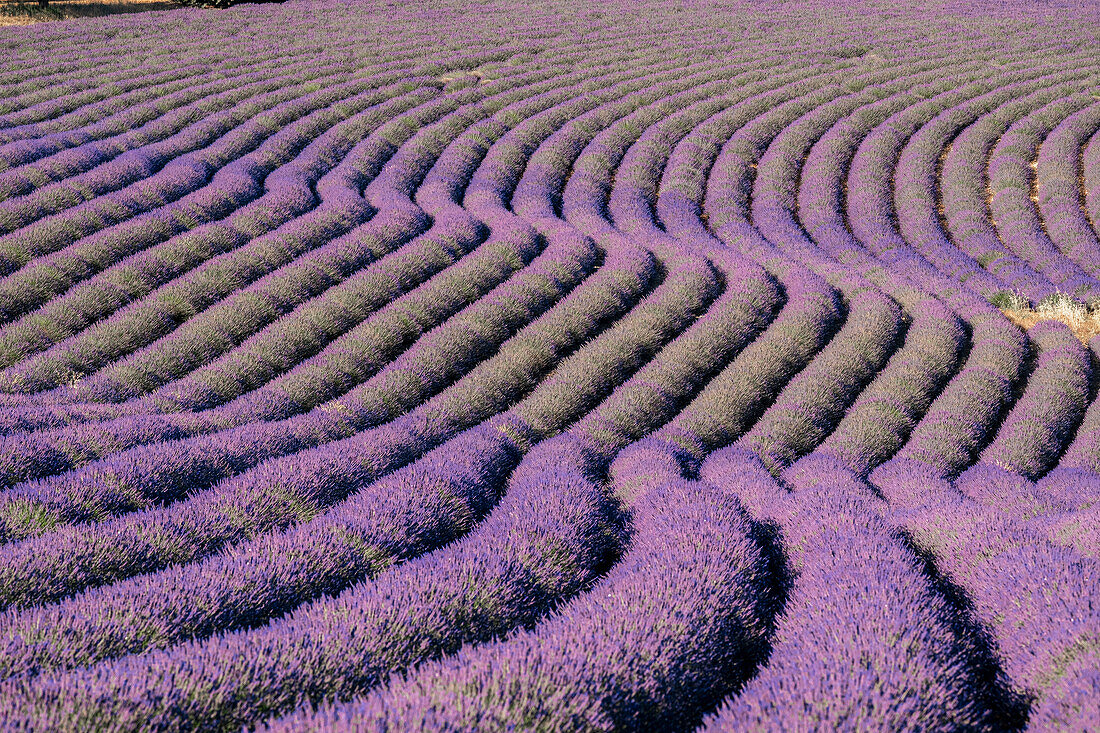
[(815, 394), (1083, 453), (963, 418), (275, 138), (366, 350), (100, 297), (186, 92), (918, 195), (919, 218), (586, 197), (858, 600), (453, 231), (144, 130), (1014, 179), (180, 176), (112, 180), (68, 290), (1058, 182), (45, 98), (437, 360), (793, 233), (881, 419), (262, 403), (1036, 599), (812, 403), (489, 162), (1089, 180), (554, 530), (557, 472), (255, 240), (387, 229), (328, 344), (226, 323), (963, 181), (735, 398), (1065, 501), (878, 180), (834, 185), (728, 198), (254, 132), (69, 101), (74, 558), (122, 110), (816, 176), (305, 567), (1044, 418), (774, 192), (590, 666)]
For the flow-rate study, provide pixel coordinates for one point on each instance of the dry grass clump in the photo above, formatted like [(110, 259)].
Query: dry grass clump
[(1083, 320)]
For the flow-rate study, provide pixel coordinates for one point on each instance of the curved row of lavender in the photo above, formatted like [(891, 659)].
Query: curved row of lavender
[(550, 366)]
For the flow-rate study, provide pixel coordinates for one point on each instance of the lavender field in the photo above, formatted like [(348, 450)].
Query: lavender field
[(551, 365)]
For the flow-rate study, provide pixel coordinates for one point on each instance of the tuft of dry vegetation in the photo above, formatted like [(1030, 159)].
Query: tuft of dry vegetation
[(1083, 320)]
